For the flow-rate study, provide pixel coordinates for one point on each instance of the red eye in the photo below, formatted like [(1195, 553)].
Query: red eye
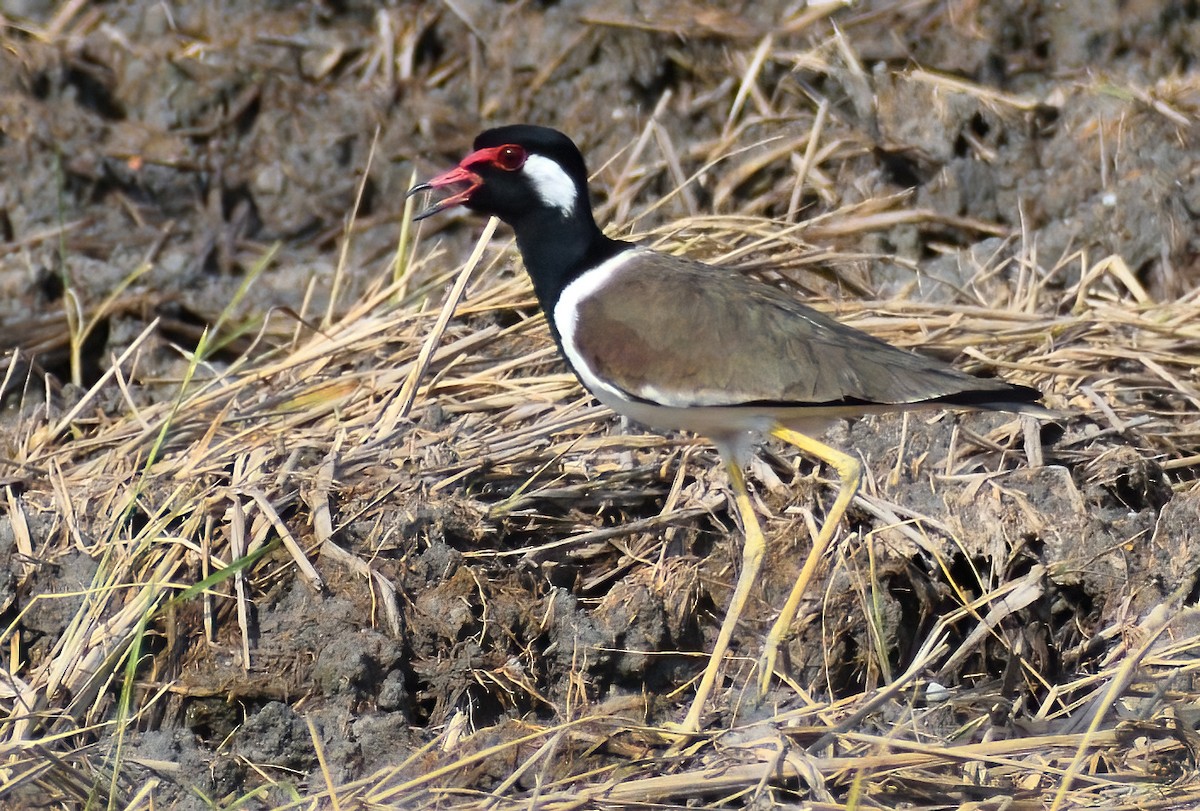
[(510, 158)]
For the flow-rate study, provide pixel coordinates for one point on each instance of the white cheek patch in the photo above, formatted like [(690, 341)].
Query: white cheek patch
[(551, 183)]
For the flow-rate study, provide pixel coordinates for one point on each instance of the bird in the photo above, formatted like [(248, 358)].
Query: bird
[(675, 344)]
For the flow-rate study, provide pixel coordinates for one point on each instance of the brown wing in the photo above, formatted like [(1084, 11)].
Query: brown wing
[(682, 333)]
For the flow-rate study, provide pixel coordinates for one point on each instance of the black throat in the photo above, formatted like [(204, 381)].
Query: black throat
[(557, 249)]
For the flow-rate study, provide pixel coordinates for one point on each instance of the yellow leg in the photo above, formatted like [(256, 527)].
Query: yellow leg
[(849, 471), (752, 558)]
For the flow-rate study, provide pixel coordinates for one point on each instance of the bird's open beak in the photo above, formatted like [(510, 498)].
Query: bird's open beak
[(456, 176)]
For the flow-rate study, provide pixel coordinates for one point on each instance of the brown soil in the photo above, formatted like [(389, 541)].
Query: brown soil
[(1019, 180)]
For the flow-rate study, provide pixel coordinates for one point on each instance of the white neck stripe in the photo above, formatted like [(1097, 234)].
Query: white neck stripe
[(566, 312)]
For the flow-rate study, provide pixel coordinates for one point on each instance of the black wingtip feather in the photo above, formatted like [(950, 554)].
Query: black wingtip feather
[(1016, 398)]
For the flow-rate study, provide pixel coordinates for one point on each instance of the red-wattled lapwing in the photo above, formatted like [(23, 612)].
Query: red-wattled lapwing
[(677, 344)]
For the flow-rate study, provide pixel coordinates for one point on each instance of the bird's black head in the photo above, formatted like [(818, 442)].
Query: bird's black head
[(535, 180), (516, 171)]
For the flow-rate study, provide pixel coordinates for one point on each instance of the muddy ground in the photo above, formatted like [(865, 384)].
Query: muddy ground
[(152, 154)]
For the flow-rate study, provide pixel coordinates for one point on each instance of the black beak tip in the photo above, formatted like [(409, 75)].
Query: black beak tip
[(431, 210), (418, 189)]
